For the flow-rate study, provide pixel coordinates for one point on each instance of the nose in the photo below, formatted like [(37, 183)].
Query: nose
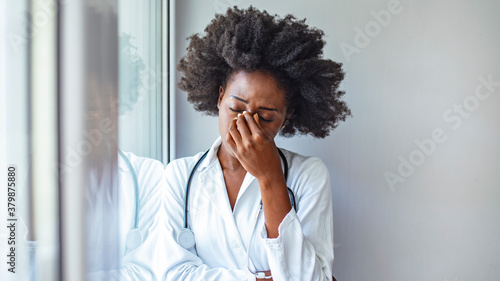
[(251, 110)]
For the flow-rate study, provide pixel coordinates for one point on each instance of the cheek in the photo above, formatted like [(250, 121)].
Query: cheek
[(274, 131), (271, 129), (224, 121), (225, 115)]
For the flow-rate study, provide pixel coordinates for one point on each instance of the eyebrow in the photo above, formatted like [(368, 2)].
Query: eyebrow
[(260, 107)]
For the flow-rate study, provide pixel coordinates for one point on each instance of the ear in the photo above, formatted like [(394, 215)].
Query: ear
[(221, 95)]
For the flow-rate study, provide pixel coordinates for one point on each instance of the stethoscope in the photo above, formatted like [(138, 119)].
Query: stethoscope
[(185, 237), (134, 236)]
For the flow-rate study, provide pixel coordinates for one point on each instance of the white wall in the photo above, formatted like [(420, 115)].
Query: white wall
[(439, 219)]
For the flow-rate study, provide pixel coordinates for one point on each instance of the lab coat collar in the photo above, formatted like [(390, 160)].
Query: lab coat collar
[(212, 159), (122, 165), (212, 154)]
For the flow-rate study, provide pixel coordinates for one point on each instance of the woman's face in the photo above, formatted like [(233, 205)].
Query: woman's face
[(254, 92)]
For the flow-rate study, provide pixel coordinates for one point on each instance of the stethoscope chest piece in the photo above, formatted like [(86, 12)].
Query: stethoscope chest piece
[(185, 238), (134, 239)]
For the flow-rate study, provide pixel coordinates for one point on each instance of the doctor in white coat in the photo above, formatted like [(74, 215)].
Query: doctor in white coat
[(302, 251), (142, 219), (262, 75)]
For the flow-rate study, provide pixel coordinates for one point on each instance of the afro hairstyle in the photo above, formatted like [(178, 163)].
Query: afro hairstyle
[(287, 48)]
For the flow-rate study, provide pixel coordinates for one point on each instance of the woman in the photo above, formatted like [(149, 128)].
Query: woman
[(262, 75)]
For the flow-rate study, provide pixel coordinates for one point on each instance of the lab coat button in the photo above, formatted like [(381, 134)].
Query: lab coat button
[(236, 246)]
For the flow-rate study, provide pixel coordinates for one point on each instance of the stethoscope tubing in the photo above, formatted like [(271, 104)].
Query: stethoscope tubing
[(285, 164), (134, 236), (136, 185)]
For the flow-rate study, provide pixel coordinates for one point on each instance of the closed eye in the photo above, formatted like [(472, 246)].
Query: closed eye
[(240, 111), (265, 120), (237, 111)]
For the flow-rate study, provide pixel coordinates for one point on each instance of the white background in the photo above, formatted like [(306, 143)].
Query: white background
[(440, 220)]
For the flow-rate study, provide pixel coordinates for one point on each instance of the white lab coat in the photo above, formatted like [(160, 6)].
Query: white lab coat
[(146, 262), (302, 251)]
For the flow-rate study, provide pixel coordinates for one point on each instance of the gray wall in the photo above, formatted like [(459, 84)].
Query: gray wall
[(415, 170)]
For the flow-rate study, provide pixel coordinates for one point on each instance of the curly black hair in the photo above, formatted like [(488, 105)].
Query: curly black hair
[(287, 48)]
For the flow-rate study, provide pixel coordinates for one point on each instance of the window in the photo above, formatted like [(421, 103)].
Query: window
[(72, 72), (141, 99)]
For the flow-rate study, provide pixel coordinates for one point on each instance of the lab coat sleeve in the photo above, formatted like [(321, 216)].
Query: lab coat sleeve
[(183, 264), (303, 249), (146, 261)]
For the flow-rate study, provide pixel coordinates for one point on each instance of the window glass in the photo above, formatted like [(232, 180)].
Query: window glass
[(140, 79)]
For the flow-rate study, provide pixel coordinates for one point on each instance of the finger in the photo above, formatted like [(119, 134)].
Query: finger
[(253, 125), (243, 127), (232, 146), (230, 142), (257, 120), (233, 131)]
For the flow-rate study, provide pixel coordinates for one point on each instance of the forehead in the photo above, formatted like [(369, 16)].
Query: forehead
[(256, 86)]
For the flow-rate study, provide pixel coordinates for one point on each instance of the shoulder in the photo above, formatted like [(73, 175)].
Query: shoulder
[(181, 167), (147, 171), (176, 175), (307, 174), (143, 165), (300, 164)]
